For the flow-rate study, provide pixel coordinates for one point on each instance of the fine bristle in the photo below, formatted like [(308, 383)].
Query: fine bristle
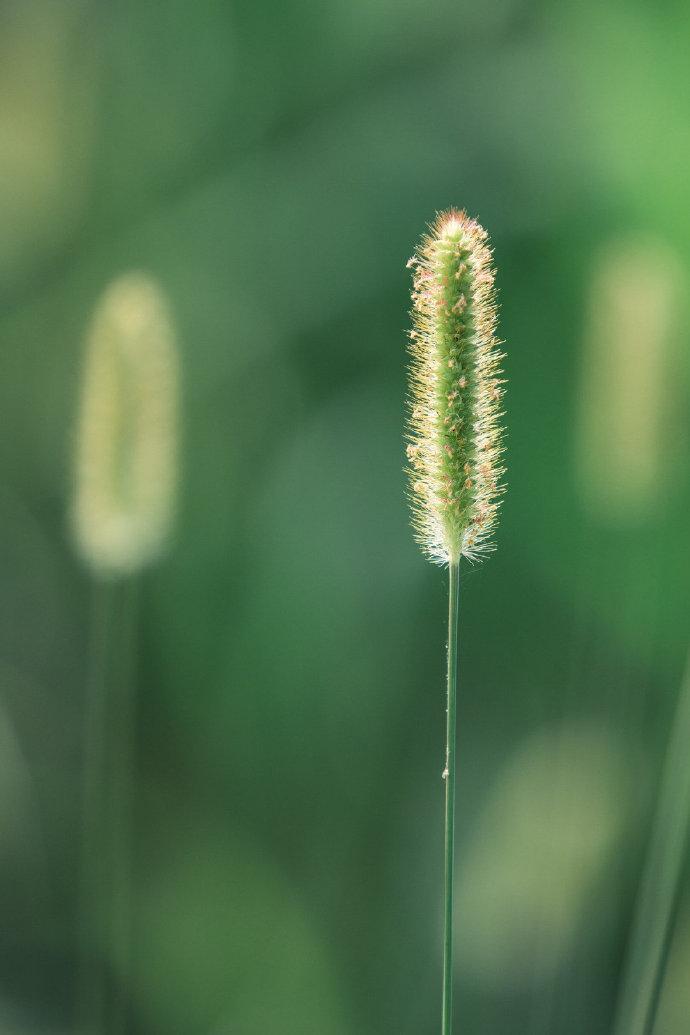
[(454, 434)]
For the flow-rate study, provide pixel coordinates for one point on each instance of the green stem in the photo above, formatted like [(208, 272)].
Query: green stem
[(106, 914), (122, 732), (93, 876), (660, 885), (449, 775)]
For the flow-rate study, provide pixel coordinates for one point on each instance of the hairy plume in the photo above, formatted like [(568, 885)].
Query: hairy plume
[(454, 434)]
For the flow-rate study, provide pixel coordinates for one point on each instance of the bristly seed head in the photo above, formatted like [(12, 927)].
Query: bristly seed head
[(455, 370)]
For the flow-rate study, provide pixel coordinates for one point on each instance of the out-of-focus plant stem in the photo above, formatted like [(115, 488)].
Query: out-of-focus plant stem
[(652, 926)]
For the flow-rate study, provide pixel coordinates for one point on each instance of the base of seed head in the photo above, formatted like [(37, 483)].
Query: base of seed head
[(454, 434)]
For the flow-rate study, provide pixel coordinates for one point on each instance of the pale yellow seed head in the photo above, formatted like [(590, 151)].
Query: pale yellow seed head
[(629, 400), (126, 442)]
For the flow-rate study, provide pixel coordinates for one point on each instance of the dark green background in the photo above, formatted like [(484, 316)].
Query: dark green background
[(272, 164)]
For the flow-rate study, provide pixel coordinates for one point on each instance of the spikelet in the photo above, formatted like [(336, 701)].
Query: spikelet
[(455, 391), (126, 448)]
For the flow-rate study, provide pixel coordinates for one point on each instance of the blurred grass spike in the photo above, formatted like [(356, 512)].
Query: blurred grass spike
[(629, 405), (455, 388), (126, 444), (454, 449)]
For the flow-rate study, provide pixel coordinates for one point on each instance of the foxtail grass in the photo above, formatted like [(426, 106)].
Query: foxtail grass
[(125, 478), (629, 403), (454, 449)]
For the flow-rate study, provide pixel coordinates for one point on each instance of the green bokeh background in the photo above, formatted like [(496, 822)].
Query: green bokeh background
[(272, 164)]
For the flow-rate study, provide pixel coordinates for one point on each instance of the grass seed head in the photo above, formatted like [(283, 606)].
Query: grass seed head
[(126, 443), (454, 432), (630, 402)]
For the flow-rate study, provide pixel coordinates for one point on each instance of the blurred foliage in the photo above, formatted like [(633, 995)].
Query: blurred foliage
[(272, 165)]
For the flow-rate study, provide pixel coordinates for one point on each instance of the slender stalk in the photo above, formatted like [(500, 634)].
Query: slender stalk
[(122, 764), (93, 875), (105, 907), (659, 888), (449, 775)]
